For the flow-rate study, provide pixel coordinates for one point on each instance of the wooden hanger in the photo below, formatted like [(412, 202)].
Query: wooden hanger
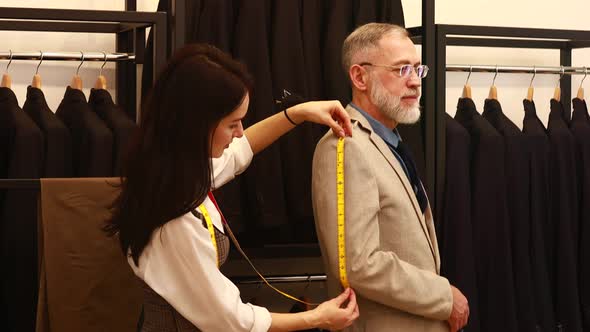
[(76, 82), (37, 78), (531, 90), (467, 88), (493, 91), (6, 79), (581, 88), (557, 92), (101, 81)]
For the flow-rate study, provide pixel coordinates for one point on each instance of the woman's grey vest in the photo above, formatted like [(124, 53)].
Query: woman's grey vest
[(159, 315)]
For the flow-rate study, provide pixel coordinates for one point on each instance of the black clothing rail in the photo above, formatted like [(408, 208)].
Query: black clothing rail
[(244, 280), (519, 69), (26, 184), (66, 56)]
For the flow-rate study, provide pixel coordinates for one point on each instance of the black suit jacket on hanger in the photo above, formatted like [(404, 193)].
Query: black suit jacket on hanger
[(453, 227), (311, 36), (390, 11), (263, 187), (215, 24), (541, 252), (288, 72), (102, 104), (580, 127), (58, 143), (564, 212), (92, 140), (489, 215), (517, 158), (22, 150), (339, 22)]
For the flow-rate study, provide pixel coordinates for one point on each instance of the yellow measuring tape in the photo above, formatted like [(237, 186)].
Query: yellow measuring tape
[(340, 211), (235, 241), (207, 217)]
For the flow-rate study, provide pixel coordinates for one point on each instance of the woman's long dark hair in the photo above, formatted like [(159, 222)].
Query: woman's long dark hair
[(167, 171)]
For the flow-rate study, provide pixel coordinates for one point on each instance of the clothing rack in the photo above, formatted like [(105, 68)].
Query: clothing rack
[(279, 279), (518, 69), (435, 38), (129, 27), (80, 56)]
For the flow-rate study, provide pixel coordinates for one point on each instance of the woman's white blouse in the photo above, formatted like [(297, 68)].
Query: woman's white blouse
[(179, 263)]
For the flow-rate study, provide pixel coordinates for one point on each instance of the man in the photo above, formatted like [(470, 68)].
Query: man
[(392, 258)]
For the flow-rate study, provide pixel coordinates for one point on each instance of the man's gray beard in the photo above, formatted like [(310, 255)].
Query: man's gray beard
[(391, 107)]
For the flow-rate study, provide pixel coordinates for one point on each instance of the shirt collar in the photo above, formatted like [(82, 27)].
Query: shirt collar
[(391, 137)]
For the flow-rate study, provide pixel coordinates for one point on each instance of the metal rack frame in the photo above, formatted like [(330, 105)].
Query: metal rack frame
[(61, 56), (562, 70), (279, 279)]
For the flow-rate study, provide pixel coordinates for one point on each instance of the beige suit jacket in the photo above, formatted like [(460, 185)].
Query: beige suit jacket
[(392, 256)]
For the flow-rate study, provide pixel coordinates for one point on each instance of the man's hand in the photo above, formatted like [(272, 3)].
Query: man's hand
[(460, 312)]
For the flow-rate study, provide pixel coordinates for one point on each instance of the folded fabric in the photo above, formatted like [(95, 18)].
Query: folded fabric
[(85, 282)]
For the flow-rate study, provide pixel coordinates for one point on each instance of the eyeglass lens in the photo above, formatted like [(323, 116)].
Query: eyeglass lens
[(406, 70)]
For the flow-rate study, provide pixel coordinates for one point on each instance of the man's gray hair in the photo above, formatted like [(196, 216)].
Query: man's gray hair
[(365, 39)]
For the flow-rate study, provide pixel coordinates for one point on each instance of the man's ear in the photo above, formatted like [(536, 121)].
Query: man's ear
[(358, 77)]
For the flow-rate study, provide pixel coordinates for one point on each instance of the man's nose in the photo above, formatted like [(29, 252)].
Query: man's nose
[(414, 81)]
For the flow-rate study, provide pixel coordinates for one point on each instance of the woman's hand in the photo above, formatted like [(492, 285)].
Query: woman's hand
[(329, 315), (329, 113)]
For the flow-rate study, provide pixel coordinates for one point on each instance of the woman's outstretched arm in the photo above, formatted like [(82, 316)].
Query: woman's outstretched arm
[(330, 113)]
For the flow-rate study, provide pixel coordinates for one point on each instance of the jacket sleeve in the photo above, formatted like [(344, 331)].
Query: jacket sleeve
[(373, 273)]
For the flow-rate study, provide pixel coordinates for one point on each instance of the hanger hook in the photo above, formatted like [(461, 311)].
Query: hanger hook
[(80, 65), (39, 64), (469, 75), (9, 61), (562, 72), (585, 74), (495, 75), (104, 63), (534, 74)]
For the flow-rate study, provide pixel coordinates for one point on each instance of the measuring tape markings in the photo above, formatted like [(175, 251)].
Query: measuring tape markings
[(340, 213), (211, 230)]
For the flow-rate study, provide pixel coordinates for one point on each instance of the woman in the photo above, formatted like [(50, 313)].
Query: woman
[(190, 141)]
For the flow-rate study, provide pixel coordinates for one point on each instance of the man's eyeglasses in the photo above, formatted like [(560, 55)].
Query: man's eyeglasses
[(404, 71)]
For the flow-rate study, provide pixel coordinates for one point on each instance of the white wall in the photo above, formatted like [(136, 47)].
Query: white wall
[(566, 14), (512, 88)]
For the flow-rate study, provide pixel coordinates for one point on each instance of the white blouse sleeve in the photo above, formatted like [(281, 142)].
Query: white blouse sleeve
[(180, 265), (234, 160)]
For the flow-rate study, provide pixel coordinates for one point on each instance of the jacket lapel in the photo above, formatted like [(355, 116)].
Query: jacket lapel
[(397, 167)]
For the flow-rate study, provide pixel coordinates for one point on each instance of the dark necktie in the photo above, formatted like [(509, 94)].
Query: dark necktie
[(406, 155)]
